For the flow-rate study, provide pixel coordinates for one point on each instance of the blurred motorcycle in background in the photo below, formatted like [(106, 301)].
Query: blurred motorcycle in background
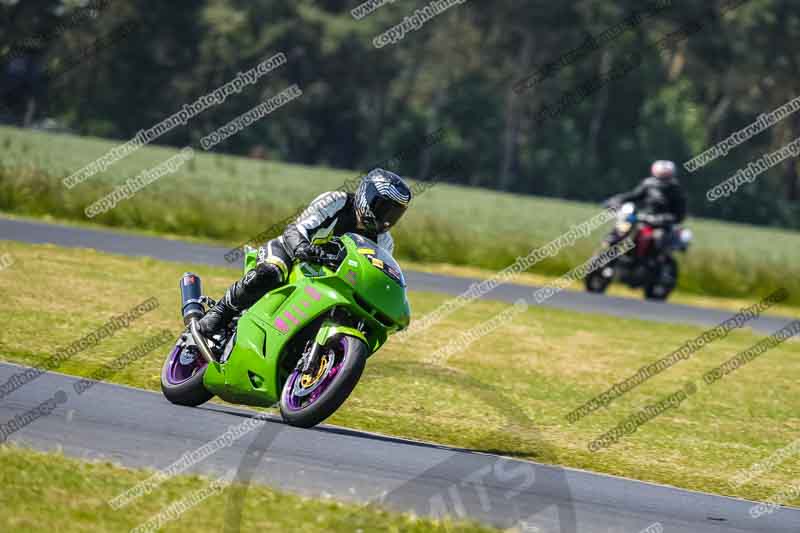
[(650, 264)]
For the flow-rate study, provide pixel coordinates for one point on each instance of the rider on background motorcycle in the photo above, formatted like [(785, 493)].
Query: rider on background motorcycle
[(376, 206), (660, 200)]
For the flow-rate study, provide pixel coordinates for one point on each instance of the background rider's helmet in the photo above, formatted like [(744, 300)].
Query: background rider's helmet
[(381, 199), (663, 170)]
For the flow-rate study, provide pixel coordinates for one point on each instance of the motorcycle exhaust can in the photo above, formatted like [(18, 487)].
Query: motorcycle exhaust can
[(191, 291)]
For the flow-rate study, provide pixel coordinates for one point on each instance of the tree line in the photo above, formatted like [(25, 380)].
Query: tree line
[(570, 100)]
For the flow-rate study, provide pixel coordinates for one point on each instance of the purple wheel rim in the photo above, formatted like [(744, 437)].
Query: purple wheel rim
[(295, 403), (177, 372)]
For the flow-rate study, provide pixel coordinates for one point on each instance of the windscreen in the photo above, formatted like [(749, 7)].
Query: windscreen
[(380, 259)]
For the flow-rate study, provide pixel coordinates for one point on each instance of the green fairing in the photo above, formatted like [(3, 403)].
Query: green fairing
[(252, 374)]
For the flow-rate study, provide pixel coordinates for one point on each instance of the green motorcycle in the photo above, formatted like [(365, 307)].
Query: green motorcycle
[(304, 344)]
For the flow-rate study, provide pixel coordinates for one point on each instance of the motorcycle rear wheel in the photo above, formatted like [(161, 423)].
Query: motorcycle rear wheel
[(182, 378), (664, 283), (339, 375)]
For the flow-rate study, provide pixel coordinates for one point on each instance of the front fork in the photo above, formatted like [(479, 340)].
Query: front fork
[(327, 332)]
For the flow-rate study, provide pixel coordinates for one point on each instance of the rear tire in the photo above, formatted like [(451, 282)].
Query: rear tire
[(665, 282), (354, 358), (189, 392)]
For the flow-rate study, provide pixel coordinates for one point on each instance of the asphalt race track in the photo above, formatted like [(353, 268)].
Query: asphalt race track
[(141, 429), (174, 250)]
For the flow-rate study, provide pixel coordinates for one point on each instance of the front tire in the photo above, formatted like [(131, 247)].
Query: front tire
[(596, 282), (182, 377), (348, 357)]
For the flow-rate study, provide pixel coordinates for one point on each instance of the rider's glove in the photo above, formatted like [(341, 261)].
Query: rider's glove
[(309, 252)]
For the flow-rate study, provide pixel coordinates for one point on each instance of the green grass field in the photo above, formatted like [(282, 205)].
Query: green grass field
[(232, 199), (41, 490), (508, 393)]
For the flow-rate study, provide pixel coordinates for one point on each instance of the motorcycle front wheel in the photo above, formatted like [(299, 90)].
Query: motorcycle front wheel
[(596, 282), (308, 399)]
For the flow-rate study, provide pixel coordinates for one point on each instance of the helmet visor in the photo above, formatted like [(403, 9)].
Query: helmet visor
[(387, 212)]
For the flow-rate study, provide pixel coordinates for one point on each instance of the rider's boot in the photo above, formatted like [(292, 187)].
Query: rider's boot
[(218, 317)]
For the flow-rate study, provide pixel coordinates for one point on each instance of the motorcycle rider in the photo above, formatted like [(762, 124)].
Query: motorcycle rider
[(378, 203), (660, 200)]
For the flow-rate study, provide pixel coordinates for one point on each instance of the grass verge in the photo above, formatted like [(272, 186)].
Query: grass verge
[(507, 393), (43, 489), (539, 280)]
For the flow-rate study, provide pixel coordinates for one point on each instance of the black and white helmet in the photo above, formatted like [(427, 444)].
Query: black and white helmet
[(381, 199)]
